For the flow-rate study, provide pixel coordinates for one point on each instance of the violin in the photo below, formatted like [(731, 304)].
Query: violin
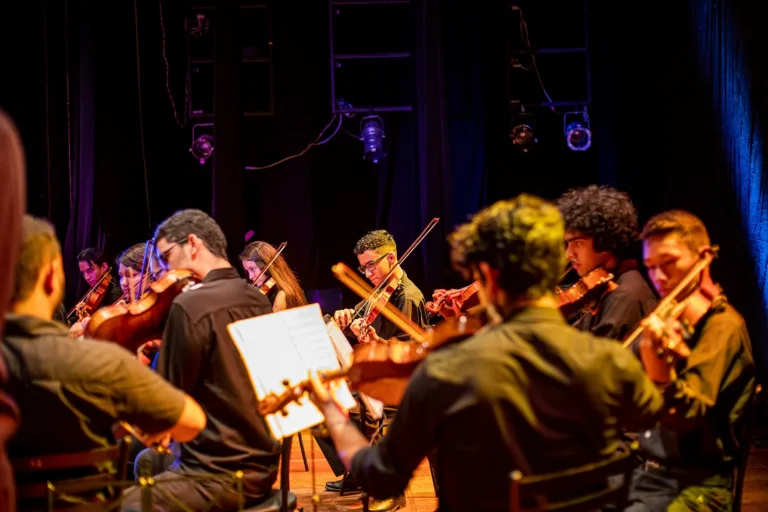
[(381, 300), (382, 369), (688, 310), (267, 286), (93, 297), (132, 325), (453, 302), (586, 292)]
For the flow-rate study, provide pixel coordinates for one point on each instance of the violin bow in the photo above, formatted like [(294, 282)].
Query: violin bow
[(269, 264), (363, 305), (149, 247), (667, 302), (352, 281)]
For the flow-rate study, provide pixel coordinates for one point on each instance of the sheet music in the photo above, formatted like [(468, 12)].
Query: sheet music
[(344, 353), (286, 345)]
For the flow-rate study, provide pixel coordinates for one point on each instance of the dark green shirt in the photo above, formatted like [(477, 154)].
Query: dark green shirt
[(705, 406), (532, 393)]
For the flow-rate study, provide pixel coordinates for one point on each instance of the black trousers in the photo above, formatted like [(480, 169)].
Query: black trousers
[(659, 490), (367, 425), (213, 496)]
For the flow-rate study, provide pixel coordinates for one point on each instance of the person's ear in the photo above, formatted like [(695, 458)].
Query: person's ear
[(104, 267), (489, 276), (49, 278)]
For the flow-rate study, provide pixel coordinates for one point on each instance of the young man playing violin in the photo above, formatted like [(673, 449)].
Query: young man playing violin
[(93, 265), (198, 356), (601, 233), (690, 454), (377, 254), (71, 394), (526, 392)]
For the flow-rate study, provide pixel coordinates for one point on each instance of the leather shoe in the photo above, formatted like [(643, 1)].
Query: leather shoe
[(387, 505), (349, 486)]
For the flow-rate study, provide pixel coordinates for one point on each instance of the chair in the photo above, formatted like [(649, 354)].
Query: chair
[(740, 463), (280, 500), (539, 488), (45, 491)]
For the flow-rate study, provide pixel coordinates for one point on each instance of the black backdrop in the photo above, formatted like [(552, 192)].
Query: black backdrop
[(657, 117)]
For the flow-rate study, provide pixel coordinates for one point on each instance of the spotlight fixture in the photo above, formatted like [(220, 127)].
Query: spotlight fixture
[(372, 133), (202, 148), (522, 133), (578, 136)]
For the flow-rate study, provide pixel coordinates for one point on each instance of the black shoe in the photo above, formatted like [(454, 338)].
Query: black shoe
[(349, 486)]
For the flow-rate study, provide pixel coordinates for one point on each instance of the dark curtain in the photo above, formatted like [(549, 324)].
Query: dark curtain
[(729, 38)]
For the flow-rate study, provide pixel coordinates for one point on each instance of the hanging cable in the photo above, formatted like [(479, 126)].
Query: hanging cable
[(141, 116), (316, 142), (182, 123), (527, 42)]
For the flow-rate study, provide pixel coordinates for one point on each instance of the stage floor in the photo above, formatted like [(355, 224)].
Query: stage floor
[(420, 494)]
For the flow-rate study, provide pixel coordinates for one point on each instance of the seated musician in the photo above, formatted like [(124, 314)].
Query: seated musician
[(377, 254), (689, 456), (93, 264), (513, 396), (601, 232), (129, 269), (286, 292), (71, 394), (198, 356)]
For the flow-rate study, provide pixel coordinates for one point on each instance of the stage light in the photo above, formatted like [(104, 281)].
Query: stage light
[(202, 148), (522, 132), (578, 136), (372, 133)]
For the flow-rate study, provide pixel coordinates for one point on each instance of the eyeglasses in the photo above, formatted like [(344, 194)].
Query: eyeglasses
[(162, 257), (371, 265)]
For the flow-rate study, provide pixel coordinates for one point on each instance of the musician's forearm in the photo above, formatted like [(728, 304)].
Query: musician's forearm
[(345, 435)]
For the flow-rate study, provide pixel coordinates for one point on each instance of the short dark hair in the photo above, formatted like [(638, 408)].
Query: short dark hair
[(686, 225), (522, 238), (39, 247), (183, 223), (93, 255), (133, 257), (603, 213), (375, 241)]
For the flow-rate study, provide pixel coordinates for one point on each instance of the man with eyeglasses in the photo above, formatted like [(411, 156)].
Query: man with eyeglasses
[(198, 356), (377, 254)]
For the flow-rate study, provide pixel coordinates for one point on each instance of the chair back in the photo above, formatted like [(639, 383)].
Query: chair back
[(599, 479), (44, 490), (745, 438)]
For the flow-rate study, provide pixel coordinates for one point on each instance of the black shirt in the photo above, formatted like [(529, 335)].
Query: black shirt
[(198, 356), (705, 405), (407, 298), (621, 310), (532, 393), (71, 392)]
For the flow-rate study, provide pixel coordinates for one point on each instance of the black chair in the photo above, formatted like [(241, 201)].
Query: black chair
[(740, 463), (46, 491), (280, 500), (544, 490)]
